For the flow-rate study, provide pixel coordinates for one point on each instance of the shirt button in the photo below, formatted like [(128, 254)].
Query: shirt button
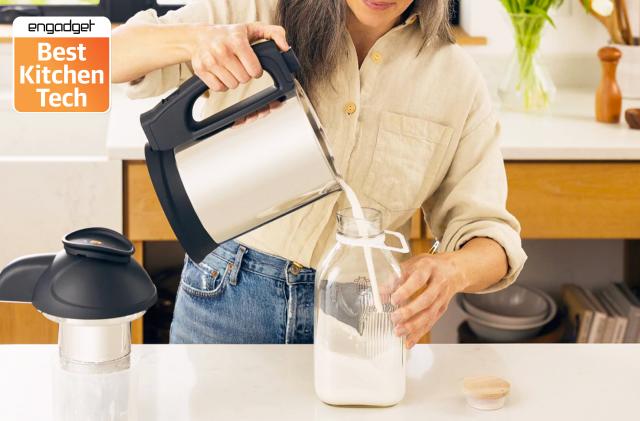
[(376, 57), (350, 108)]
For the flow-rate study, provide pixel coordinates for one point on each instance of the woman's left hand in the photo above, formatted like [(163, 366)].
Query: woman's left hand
[(426, 288)]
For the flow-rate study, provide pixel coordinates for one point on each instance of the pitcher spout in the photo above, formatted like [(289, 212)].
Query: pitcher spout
[(19, 278)]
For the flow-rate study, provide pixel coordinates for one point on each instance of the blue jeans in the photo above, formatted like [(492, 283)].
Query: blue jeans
[(239, 295)]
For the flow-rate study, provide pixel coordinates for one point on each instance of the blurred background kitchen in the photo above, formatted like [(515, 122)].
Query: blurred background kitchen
[(574, 181)]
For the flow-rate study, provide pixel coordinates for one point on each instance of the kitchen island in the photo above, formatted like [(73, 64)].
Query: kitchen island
[(275, 382)]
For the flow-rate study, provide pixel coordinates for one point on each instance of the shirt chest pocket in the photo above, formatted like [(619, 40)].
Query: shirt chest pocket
[(409, 152)]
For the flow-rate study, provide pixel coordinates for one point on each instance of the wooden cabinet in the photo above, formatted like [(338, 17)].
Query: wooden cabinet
[(552, 200), (575, 199), (23, 324)]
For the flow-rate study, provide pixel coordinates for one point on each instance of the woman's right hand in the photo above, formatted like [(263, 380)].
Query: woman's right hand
[(222, 55)]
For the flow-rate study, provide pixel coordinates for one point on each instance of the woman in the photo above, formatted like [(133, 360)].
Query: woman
[(410, 124)]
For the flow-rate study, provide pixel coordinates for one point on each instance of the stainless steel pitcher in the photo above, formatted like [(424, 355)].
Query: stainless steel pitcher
[(216, 184)]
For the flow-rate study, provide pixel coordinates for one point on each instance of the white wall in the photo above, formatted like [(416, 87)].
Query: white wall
[(569, 51), (5, 67), (575, 33)]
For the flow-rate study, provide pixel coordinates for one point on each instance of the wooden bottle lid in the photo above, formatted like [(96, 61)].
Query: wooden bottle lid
[(486, 392)]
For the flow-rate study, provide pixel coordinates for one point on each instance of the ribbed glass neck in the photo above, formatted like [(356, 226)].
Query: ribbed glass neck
[(367, 227)]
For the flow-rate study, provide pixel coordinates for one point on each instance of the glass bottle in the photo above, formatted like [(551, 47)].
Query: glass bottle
[(357, 358)]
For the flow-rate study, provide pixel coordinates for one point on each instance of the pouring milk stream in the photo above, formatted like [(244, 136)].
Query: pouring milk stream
[(356, 208)]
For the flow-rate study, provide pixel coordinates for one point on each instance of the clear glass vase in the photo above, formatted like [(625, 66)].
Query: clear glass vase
[(358, 360), (526, 85)]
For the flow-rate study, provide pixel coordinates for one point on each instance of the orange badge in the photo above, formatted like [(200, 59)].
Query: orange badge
[(61, 64)]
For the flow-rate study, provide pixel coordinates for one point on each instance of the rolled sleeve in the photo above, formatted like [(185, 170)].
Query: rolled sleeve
[(471, 201), (162, 80)]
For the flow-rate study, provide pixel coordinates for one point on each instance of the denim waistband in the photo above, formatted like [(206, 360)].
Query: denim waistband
[(263, 263)]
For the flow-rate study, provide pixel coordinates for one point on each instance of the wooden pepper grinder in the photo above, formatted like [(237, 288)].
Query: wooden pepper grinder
[(608, 96)]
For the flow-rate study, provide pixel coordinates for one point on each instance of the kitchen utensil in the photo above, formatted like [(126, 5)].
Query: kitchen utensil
[(623, 20), (517, 305), (632, 115), (610, 22), (601, 7), (92, 289), (613, 27), (551, 333), (216, 184), (486, 392), (608, 96), (500, 332), (633, 7)]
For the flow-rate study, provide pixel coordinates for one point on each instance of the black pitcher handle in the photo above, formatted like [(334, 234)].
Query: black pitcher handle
[(170, 123)]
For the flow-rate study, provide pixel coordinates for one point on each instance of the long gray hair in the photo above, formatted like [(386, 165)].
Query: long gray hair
[(315, 30)]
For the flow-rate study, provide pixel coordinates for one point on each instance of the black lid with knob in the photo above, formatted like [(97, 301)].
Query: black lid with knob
[(94, 277), (99, 243)]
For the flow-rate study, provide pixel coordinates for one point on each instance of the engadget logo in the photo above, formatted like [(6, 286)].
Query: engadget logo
[(71, 27), (61, 64)]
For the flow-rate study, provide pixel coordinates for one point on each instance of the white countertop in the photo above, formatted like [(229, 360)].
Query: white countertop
[(275, 382), (569, 133)]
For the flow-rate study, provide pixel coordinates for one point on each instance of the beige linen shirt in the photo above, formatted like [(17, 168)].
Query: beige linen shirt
[(412, 127)]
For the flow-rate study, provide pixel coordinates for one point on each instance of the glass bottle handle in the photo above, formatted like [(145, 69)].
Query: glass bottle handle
[(403, 242), (378, 242)]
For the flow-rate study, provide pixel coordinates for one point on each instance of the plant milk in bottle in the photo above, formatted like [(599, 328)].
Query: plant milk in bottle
[(357, 358)]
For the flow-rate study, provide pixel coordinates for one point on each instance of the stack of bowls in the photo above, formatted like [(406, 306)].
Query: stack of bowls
[(513, 314)]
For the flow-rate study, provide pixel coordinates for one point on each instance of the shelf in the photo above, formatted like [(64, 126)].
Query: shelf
[(465, 39)]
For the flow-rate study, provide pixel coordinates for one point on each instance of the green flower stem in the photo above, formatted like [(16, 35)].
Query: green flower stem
[(528, 34)]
